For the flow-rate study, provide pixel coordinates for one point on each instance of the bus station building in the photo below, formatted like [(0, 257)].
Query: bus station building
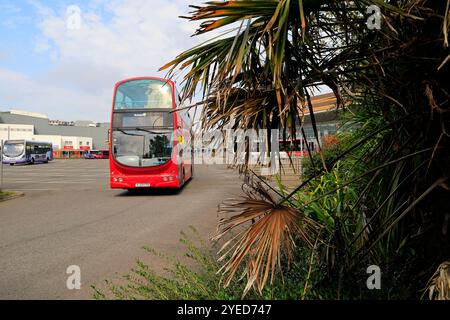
[(69, 139)]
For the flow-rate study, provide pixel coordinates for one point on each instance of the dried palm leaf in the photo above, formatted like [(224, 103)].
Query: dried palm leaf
[(439, 285), (267, 232)]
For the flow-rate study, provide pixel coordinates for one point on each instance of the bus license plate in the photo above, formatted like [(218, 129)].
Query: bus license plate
[(142, 185)]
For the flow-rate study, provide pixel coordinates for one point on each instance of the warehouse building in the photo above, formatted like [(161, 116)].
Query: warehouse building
[(326, 115), (69, 139)]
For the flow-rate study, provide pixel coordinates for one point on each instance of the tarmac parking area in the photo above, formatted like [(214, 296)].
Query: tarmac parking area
[(70, 216)]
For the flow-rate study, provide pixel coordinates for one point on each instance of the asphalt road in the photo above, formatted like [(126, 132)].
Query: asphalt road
[(69, 216)]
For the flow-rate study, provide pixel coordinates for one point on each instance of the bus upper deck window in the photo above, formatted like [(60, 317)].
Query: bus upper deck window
[(143, 94)]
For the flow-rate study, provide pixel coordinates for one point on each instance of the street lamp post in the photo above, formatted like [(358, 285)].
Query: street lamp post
[(1, 165), (2, 145)]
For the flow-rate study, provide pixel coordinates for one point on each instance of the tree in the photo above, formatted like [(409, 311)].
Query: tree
[(262, 73)]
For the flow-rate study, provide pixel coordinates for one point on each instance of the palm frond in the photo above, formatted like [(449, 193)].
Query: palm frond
[(267, 232), (439, 285), (261, 75)]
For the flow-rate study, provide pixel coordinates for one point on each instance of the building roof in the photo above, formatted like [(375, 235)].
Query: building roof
[(324, 102), (324, 107), (42, 126), (29, 114)]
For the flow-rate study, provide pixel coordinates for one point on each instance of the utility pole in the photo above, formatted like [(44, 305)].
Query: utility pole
[(2, 145), (1, 165)]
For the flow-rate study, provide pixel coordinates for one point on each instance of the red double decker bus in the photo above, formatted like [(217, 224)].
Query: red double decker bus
[(149, 136)]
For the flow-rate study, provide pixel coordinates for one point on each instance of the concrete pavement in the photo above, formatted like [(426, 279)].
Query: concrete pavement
[(69, 216)]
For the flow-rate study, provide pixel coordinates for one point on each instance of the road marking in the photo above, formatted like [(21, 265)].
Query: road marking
[(64, 182), (22, 189), (56, 175), (51, 182)]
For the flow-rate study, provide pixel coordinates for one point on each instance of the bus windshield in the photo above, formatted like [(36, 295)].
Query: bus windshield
[(13, 149), (142, 148), (143, 94)]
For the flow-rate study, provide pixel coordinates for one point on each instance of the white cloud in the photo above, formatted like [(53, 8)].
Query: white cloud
[(136, 38), (59, 102), (11, 16)]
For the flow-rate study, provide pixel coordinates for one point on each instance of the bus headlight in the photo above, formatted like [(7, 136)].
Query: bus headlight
[(165, 179), (120, 180), (115, 179)]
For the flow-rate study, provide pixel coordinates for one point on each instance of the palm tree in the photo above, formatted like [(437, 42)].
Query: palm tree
[(262, 73)]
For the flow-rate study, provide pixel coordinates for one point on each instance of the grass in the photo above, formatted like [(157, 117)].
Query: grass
[(192, 278), (7, 195), (195, 277)]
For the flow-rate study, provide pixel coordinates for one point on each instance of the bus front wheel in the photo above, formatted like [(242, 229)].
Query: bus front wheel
[(183, 178)]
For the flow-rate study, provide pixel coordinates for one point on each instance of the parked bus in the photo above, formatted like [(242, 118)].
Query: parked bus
[(149, 136), (96, 154), (25, 151)]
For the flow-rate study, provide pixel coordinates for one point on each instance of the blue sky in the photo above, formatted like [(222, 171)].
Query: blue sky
[(68, 73), (20, 32), (18, 27)]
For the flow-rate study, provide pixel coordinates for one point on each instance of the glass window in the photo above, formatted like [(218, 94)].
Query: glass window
[(144, 119), (143, 94), (13, 149), (142, 148)]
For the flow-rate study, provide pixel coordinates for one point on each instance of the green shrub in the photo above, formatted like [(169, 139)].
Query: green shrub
[(195, 279), (180, 282), (331, 152)]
